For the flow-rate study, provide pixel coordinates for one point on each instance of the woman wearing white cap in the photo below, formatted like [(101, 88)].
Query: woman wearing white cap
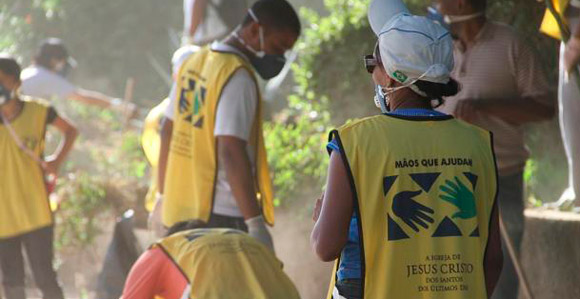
[(409, 210)]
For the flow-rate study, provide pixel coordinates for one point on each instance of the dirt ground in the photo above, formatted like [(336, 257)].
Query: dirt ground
[(292, 242), (78, 270)]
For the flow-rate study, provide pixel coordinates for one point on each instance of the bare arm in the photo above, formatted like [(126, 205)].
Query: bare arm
[(519, 111), (330, 232), (197, 15), (493, 254), (91, 98), (166, 133), (70, 134), (234, 156)]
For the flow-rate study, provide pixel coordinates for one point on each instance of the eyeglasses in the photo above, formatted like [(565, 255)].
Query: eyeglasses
[(370, 63)]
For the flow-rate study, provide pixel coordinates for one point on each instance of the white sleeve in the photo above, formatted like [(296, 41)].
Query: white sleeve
[(237, 106), (47, 84), (170, 110), (61, 87)]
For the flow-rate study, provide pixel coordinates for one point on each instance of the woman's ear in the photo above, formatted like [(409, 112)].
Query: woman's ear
[(380, 76)]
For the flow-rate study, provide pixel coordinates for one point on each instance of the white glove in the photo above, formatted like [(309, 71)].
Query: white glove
[(257, 229), (155, 222)]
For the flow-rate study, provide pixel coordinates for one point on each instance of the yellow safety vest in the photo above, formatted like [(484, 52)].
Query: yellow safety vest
[(151, 144), (192, 162), (24, 204), (406, 172), (226, 263), (549, 25)]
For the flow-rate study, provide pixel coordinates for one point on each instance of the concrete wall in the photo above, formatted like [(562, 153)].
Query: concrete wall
[(551, 254)]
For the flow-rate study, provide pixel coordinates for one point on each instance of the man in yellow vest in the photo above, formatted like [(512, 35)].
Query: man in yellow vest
[(213, 165), (410, 207), (568, 92), (194, 261), (26, 221)]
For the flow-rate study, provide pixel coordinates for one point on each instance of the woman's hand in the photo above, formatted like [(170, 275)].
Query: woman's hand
[(317, 208), (51, 166)]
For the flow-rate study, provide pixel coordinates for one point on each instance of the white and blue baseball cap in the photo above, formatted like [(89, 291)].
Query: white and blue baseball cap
[(180, 56), (412, 47)]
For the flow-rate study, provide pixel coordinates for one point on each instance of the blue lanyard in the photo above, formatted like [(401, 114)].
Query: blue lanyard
[(416, 112)]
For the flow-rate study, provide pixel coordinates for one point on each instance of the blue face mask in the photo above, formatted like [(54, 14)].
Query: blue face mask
[(434, 15), (381, 99)]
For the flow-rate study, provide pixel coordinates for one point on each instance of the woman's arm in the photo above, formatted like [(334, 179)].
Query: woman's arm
[(330, 232), (70, 133)]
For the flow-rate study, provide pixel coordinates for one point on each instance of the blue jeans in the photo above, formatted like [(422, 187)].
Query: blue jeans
[(350, 288), (511, 207)]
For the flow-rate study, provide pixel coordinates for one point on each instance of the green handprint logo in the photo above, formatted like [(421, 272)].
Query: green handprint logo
[(457, 194)]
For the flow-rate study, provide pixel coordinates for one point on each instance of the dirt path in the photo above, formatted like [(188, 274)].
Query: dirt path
[(292, 242)]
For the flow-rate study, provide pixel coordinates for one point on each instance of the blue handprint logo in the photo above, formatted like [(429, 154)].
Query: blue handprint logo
[(410, 211)]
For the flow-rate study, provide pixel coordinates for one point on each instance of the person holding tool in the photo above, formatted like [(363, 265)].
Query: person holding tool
[(195, 261), (26, 219), (504, 87), (410, 206), (212, 164), (46, 79), (568, 90)]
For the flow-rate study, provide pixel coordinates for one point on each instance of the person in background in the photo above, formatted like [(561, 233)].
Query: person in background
[(504, 87), (26, 219), (212, 163), (46, 79), (205, 21), (568, 94), (411, 191), (194, 261), (151, 140)]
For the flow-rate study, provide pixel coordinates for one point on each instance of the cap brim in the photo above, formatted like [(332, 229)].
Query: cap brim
[(382, 11)]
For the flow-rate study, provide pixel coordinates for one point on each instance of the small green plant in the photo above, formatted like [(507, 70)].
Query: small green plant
[(82, 200)]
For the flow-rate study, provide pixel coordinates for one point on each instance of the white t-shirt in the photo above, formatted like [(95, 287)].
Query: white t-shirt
[(235, 116), (40, 82)]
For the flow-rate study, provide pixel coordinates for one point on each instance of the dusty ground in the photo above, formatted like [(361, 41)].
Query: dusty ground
[(292, 242), (78, 270)]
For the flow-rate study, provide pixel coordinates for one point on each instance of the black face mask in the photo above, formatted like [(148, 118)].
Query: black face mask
[(5, 95), (268, 66)]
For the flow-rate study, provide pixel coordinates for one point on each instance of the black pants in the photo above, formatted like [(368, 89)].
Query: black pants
[(350, 288), (39, 250), (221, 221), (511, 206)]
